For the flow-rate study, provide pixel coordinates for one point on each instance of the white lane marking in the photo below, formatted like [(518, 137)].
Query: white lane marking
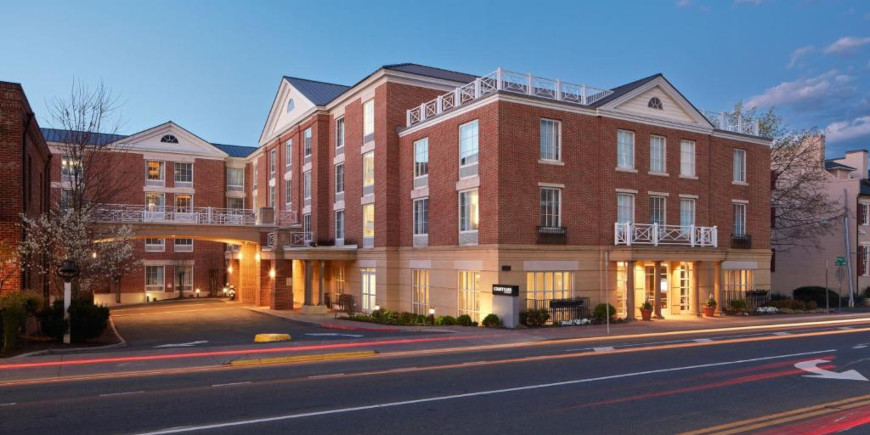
[(859, 346), (845, 327), (190, 344), (150, 313), (231, 384), (8, 404), (333, 334), (819, 373), (702, 340), (466, 395), (603, 349), (336, 375), (781, 333), (125, 393)]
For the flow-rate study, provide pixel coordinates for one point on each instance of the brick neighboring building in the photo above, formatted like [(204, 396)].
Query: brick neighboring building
[(25, 160)]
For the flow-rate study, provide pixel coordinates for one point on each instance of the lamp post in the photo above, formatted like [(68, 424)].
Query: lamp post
[(68, 270)]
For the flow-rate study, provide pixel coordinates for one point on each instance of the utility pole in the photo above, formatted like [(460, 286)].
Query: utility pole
[(848, 249)]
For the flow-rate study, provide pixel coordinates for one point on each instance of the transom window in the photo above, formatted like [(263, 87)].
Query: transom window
[(468, 146), (657, 154), (421, 157), (551, 145), (625, 149), (551, 199), (655, 103), (168, 138)]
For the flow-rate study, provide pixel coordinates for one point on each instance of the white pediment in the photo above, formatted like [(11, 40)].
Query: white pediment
[(674, 108), (284, 114), (186, 143)]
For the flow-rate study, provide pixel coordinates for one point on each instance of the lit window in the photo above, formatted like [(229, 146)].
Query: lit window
[(155, 170), (420, 291), (550, 140), (655, 103), (183, 203), (543, 287), (469, 284), (468, 210), (154, 278), (369, 221), (369, 168), (169, 139)]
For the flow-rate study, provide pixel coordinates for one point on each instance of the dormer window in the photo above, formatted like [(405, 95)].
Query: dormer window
[(290, 105), (655, 103), (169, 139)]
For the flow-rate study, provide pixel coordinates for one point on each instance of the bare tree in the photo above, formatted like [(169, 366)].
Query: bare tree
[(803, 210)]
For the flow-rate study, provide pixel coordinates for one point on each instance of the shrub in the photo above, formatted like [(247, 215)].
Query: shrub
[(711, 303), (646, 306), (406, 318), (14, 314), (738, 305), (811, 305), (51, 321), (778, 297), (816, 294), (866, 292), (534, 318), (603, 311), (465, 320), (789, 304), (859, 300), (491, 321), (445, 320), (87, 320)]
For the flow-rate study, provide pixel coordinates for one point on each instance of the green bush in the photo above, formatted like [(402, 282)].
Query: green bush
[(445, 320), (491, 321), (789, 304), (465, 320), (406, 318), (816, 294), (534, 318), (13, 310), (778, 297), (738, 305), (87, 321), (51, 321), (603, 311)]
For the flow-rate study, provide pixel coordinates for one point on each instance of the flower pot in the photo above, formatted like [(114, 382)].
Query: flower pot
[(646, 314), (710, 311)]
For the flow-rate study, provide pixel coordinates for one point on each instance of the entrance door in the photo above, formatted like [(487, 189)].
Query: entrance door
[(369, 289), (653, 285), (685, 276)]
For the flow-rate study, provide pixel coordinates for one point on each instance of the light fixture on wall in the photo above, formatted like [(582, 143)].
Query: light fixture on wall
[(432, 311), (230, 269), (272, 273), (377, 308), (257, 256), (240, 256)]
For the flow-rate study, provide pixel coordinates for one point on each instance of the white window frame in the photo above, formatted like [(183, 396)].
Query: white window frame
[(255, 172), (161, 165), (339, 135), (288, 194), (550, 213), (242, 178), (866, 213), (273, 157), (155, 287), (288, 155), (155, 247), (339, 178), (182, 183), (469, 146), (658, 156), (306, 142), (692, 204), (631, 199), (688, 150), (306, 227), (420, 210), (339, 224), (368, 171), (421, 149), (625, 150), (420, 291), (467, 224), (469, 294), (739, 165), (368, 118), (306, 185), (368, 289), (184, 247), (739, 212), (368, 225), (552, 152), (658, 203)]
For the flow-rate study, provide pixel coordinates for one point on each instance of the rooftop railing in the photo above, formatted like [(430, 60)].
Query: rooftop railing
[(507, 81), (733, 122)]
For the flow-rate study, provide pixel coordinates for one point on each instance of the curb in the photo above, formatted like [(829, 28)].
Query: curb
[(357, 328), (271, 338), (302, 358), (122, 343)]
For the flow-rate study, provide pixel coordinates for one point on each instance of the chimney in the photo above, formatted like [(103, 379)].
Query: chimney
[(858, 160)]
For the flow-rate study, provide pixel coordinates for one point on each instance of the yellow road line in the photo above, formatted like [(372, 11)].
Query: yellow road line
[(783, 417), (303, 358)]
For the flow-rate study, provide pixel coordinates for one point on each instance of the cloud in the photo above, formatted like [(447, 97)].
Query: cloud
[(798, 53), (846, 45), (807, 93), (749, 2), (691, 4), (847, 130), (684, 3)]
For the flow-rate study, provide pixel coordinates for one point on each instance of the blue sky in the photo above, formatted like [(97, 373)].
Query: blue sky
[(214, 66)]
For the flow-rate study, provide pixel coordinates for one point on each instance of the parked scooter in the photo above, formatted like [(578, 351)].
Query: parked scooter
[(229, 291)]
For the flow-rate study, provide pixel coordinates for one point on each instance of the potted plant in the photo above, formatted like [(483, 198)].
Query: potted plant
[(710, 308), (646, 311)]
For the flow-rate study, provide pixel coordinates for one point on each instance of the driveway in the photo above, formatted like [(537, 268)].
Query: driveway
[(211, 322)]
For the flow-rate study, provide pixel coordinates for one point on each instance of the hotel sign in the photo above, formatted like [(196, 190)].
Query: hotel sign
[(506, 290)]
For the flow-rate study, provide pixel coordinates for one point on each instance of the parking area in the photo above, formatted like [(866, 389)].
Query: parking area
[(213, 322)]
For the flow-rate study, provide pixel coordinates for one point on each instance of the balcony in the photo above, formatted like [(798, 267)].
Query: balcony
[(629, 234), (124, 213), (505, 81), (552, 235), (741, 241)]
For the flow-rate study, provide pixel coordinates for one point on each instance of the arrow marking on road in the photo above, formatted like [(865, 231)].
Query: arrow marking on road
[(333, 334), (812, 367), (191, 344)]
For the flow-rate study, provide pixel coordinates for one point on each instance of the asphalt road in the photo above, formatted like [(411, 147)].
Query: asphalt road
[(211, 322), (627, 387)]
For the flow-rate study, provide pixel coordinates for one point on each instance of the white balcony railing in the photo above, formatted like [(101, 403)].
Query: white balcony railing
[(125, 213), (734, 122), (302, 238), (655, 234), (507, 81)]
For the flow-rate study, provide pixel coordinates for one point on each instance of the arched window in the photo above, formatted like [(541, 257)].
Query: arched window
[(655, 103), (169, 139), (290, 105)]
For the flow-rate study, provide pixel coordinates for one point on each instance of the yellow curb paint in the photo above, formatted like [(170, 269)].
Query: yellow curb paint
[(269, 338), (303, 358)]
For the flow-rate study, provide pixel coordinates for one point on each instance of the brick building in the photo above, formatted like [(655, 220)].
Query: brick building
[(25, 160)]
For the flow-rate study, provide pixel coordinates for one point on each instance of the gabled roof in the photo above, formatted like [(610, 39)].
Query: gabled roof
[(830, 165), (624, 89), (320, 93), (73, 136), (429, 71), (235, 150)]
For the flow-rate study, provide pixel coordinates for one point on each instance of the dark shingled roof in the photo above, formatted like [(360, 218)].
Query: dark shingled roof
[(624, 89), (865, 187), (58, 135), (428, 71), (831, 165), (320, 93), (235, 150)]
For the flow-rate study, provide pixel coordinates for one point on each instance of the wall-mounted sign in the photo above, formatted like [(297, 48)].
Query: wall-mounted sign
[(506, 290)]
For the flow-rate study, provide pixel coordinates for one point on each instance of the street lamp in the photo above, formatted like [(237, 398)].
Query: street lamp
[(68, 271)]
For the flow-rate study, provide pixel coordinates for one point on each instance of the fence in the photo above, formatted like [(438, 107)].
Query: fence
[(561, 309), (753, 298)]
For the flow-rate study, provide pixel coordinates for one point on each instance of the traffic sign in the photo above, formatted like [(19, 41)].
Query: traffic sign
[(841, 261)]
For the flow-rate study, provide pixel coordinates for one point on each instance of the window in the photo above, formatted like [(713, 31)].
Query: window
[(183, 174), (306, 185), (235, 178), (183, 203), (288, 155), (551, 146), (288, 195), (369, 289), (739, 219), (154, 202), (66, 199), (155, 245), (738, 280), (339, 135), (420, 291), (255, 170), (290, 105), (273, 156), (546, 286), (624, 208), (687, 212), (551, 205), (306, 142), (469, 282), (421, 158), (368, 170), (70, 168), (864, 214), (655, 103), (657, 210), (863, 256), (368, 225), (687, 158), (236, 203), (625, 149), (153, 278), (271, 198), (421, 216), (339, 279), (184, 278), (155, 172), (339, 224), (306, 226), (657, 154), (183, 245), (368, 120), (169, 139), (740, 166), (468, 149), (468, 210), (339, 178)]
